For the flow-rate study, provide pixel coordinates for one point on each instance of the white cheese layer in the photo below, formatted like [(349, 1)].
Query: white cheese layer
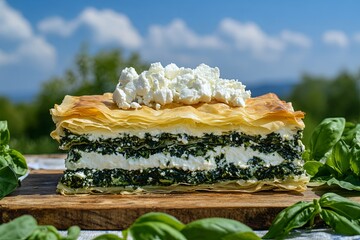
[(159, 86), (239, 156)]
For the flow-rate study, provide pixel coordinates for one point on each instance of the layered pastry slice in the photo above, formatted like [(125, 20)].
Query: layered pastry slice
[(159, 146)]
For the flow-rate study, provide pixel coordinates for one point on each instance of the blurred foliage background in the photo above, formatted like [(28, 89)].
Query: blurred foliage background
[(30, 123)]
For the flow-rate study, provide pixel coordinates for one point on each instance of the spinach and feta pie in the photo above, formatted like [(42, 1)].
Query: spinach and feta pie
[(178, 130)]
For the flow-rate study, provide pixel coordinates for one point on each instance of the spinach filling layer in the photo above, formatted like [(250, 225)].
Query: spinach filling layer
[(85, 178), (180, 145)]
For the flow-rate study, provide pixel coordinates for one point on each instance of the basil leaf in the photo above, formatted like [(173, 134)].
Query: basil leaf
[(35, 235), (52, 231), (161, 217), (8, 181), (154, 230), (4, 133), (19, 164), (339, 159), (325, 136), (351, 134), (340, 224), (108, 236), (125, 233), (72, 233), (355, 158), (213, 228), (242, 236), (306, 156), (349, 183), (292, 217), (45, 232), (12, 163), (20, 228), (341, 205), (4, 161), (312, 167)]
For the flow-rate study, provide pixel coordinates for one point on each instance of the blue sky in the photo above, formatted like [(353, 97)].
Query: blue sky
[(253, 41)]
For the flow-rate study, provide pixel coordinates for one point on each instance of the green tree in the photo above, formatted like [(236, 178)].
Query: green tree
[(14, 115), (321, 97), (344, 97), (91, 74)]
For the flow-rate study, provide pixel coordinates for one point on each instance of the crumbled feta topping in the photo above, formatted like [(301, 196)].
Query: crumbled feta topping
[(159, 86)]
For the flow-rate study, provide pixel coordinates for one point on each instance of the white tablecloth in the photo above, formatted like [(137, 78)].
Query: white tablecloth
[(315, 234)]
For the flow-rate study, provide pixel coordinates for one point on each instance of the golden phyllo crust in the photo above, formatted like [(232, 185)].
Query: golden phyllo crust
[(99, 114)]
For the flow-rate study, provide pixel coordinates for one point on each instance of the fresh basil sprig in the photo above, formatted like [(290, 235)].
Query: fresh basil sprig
[(26, 228), (291, 218), (341, 214), (12, 163), (163, 226), (218, 228), (8, 181), (333, 156)]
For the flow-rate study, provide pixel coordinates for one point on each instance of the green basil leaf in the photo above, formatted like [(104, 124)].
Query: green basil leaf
[(340, 224), (19, 228), (4, 161), (4, 133), (290, 218), (72, 233), (355, 158), (312, 167), (161, 217), (47, 232), (339, 159), (50, 236), (52, 229), (306, 155), (213, 228), (35, 235), (8, 181), (15, 160), (19, 164), (325, 136), (241, 236), (109, 236), (351, 134), (125, 233), (341, 205), (350, 183), (154, 230)]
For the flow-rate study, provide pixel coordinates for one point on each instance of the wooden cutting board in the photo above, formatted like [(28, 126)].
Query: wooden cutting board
[(37, 196)]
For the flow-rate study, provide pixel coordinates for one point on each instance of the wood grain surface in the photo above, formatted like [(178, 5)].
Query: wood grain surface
[(37, 196)]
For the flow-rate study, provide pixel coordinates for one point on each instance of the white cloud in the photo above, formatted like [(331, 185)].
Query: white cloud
[(249, 36), (12, 23), (335, 37), (34, 51), (178, 35), (295, 38), (177, 41), (107, 27), (38, 50), (7, 58), (112, 27), (29, 49), (57, 25)]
